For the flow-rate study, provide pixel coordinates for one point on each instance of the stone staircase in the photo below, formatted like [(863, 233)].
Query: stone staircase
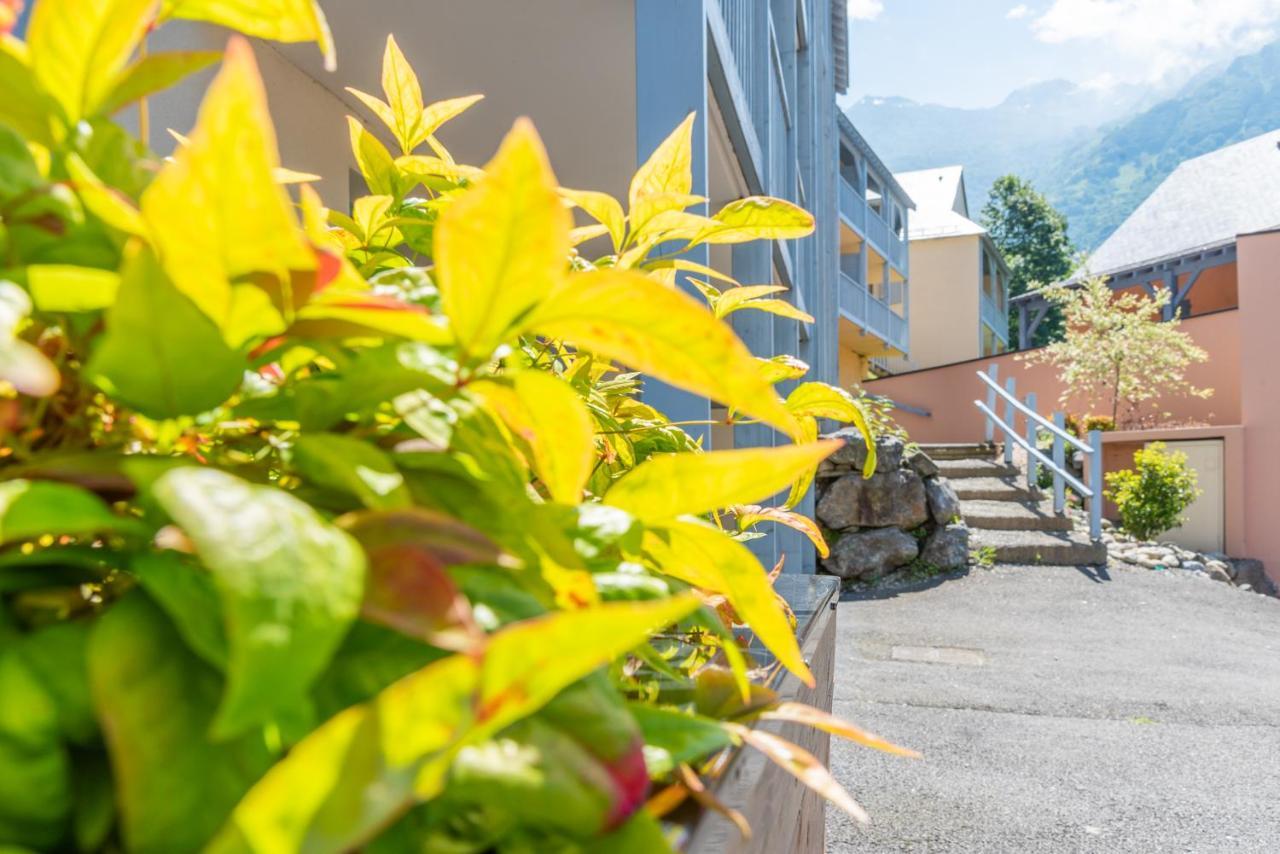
[(1016, 522)]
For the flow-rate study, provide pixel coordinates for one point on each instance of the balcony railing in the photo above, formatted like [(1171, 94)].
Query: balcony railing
[(995, 317), (873, 313), (869, 225)]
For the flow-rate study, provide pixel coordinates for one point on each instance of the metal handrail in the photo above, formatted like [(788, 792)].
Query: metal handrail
[(1056, 462), (1032, 414)]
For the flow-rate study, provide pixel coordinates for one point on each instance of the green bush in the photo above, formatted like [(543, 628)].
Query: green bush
[(1153, 494), (331, 531)]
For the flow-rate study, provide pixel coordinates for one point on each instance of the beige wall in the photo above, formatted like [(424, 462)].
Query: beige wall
[(945, 284), (949, 391), (1259, 284)]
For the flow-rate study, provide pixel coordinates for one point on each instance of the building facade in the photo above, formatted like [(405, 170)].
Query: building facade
[(959, 277)]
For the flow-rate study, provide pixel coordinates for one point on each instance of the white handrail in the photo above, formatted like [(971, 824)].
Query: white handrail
[(1033, 415), (1056, 462)]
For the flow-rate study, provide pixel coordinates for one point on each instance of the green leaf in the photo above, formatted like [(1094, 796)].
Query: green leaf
[(352, 467), (78, 47), (708, 558), (672, 737), (290, 585), (641, 834), (757, 218), (155, 73), (65, 288), (19, 173), (359, 770), (156, 700), (160, 354), (663, 332), (35, 786), (205, 235), (55, 655), (188, 596), (31, 509), (714, 480), (547, 414), (501, 246), (278, 20), (25, 107)]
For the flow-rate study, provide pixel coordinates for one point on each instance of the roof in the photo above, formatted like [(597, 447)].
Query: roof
[(1206, 201), (941, 188), (942, 205), (849, 132)]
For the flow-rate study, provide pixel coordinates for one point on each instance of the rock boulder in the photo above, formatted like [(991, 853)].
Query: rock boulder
[(893, 498), (947, 547), (868, 555), (944, 504)]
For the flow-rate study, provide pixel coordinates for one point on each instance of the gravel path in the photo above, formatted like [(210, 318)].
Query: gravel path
[(1062, 710)]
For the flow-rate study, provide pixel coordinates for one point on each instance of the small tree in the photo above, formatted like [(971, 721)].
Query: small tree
[(1032, 236), (1153, 495), (1117, 352)]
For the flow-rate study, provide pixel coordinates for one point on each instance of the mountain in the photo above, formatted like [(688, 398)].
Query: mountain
[(1027, 133), (1100, 185), (1096, 153)]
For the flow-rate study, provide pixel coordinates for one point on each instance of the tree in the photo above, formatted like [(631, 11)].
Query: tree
[(1032, 236), (1117, 352)]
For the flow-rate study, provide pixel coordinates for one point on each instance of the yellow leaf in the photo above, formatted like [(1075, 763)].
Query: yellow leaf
[(684, 265), (103, 202), (404, 95), (819, 400), (290, 176), (751, 514), (663, 217), (420, 167), (757, 218), (779, 368), (548, 415), (663, 332), (669, 485), (801, 714), (278, 20), (708, 558), (802, 765), (502, 245), (215, 211), (64, 287), (373, 160), (779, 307), (603, 208), (377, 106), (435, 115), (578, 236), (734, 298), (78, 47), (669, 169)]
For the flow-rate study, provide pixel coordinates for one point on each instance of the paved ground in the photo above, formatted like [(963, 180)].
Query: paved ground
[(1139, 712)]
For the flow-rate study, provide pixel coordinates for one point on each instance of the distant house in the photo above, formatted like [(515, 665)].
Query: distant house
[(1183, 237), (960, 282)]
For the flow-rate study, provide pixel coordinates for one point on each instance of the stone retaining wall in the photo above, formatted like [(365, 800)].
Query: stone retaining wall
[(904, 515)]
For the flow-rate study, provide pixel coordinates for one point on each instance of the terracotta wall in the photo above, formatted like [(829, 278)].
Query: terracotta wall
[(1259, 260), (948, 392)]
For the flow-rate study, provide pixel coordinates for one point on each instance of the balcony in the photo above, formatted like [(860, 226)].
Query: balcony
[(873, 314), (994, 317), (869, 225)]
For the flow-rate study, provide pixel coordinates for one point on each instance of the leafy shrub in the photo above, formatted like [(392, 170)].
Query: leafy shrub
[(1083, 425), (335, 531), (1152, 496), (879, 415)]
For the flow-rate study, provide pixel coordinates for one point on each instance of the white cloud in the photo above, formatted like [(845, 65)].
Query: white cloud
[(865, 10), (1018, 12), (1166, 34)]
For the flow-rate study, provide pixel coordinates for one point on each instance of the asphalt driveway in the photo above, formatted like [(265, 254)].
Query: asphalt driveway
[(1060, 711)]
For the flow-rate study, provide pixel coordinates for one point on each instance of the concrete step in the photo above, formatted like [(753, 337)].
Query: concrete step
[(994, 489), (961, 450), (1013, 516), (970, 467), (1056, 548)]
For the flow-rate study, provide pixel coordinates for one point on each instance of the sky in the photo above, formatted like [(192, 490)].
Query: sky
[(972, 53)]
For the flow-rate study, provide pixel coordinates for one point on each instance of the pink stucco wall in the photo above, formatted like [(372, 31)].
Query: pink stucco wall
[(1259, 261), (948, 392)]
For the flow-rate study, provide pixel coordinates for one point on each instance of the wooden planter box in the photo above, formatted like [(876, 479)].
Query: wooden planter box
[(784, 815)]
